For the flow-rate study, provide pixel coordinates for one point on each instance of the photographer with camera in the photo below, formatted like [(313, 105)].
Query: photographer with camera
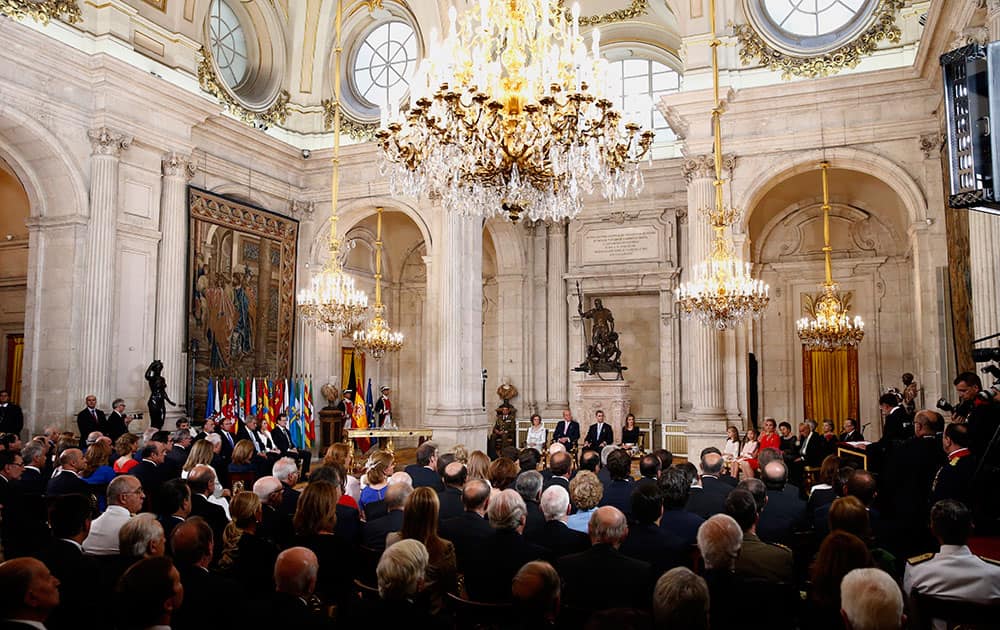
[(117, 422), (978, 409)]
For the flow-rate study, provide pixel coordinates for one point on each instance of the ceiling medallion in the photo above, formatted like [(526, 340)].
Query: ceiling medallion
[(209, 81), (637, 9), (755, 49), (66, 10)]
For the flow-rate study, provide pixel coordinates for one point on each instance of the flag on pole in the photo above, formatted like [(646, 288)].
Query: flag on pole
[(369, 409), (310, 420), (215, 403), (354, 421), (253, 397)]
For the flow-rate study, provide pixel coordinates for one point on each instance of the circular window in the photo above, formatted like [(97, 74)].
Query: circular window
[(810, 27), (384, 61), (636, 84), (229, 44)]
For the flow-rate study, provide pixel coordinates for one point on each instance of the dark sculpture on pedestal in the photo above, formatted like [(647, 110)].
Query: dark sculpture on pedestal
[(157, 394), (603, 354)]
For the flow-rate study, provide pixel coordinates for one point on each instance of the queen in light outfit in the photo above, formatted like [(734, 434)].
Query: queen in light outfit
[(536, 434)]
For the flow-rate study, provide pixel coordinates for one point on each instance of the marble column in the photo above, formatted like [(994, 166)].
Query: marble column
[(557, 384), (100, 255), (168, 341), (538, 255), (704, 375)]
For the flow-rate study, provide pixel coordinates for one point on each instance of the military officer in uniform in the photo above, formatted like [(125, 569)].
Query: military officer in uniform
[(757, 558), (383, 407), (954, 479), (954, 572)]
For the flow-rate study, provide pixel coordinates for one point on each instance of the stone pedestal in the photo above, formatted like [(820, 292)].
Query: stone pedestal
[(611, 396)]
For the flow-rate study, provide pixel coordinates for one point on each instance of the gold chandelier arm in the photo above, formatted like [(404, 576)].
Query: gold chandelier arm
[(716, 115), (826, 224), (378, 260), (335, 160)]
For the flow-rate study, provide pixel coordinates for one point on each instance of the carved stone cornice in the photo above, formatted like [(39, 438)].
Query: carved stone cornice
[(43, 11), (621, 216), (970, 35), (176, 165), (703, 166), (301, 209), (991, 6), (931, 144), (104, 141)]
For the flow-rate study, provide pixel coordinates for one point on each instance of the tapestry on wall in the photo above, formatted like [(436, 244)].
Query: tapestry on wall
[(241, 300)]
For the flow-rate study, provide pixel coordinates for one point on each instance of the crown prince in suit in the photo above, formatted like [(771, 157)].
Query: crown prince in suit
[(599, 434)]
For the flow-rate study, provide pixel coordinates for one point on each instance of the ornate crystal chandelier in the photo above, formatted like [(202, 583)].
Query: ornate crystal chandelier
[(829, 327), (722, 292), (377, 338), (331, 302), (511, 114)]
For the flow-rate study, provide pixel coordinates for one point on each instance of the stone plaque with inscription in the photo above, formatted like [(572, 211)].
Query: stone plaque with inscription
[(636, 243)]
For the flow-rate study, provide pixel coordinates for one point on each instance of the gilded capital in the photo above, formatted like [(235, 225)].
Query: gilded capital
[(176, 165), (104, 141), (703, 166)]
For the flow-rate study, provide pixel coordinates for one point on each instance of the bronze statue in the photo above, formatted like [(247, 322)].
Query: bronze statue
[(603, 353), (157, 394)]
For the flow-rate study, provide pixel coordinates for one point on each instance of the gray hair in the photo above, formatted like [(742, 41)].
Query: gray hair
[(680, 599), (284, 467), (116, 402), (719, 540), (529, 485), (507, 510), (607, 525), (214, 439), (94, 436), (871, 600), (397, 494), (119, 486), (30, 451), (137, 534), (607, 450), (180, 435), (556, 447), (811, 423), (265, 487), (555, 503), (401, 568)]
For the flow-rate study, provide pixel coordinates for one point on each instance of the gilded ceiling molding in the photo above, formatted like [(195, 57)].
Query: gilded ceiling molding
[(210, 82), (755, 49), (43, 11), (637, 9), (362, 132)]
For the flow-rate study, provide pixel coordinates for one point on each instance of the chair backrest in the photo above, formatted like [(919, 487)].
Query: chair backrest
[(366, 591), (926, 608), (473, 614)]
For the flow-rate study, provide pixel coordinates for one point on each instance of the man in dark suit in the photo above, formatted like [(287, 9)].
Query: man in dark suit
[(675, 490), (148, 470), (32, 481), (711, 499), (529, 486), (173, 505), (90, 419), (649, 470), (193, 545), (275, 525), (954, 478), (283, 442), (898, 424), (555, 536), (424, 472), (602, 577), (201, 479), (907, 480), (471, 530), (11, 416), (30, 594), (287, 472), (561, 467), (784, 512), (599, 434), (851, 432), (295, 573), (450, 498), (645, 540), (117, 423), (567, 431), (618, 489), (80, 596), (177, 455), (68, 480), (373, 533)]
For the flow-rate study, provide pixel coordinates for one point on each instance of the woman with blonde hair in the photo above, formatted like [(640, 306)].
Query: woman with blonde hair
[(248, 558), (315, 521), (478, 465), (586, 492), (378, 469), (343, 454), (420, 522), (126, 445), (203, 453), (242, 457)]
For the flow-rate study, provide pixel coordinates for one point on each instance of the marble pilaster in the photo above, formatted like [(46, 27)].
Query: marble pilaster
[(557, 356), (107, 146)]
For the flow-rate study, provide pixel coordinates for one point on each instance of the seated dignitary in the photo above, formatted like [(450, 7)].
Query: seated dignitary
[(536, 595), (173, 505), (202, 483), (602, 577), (373, 532), (125, 497), (455, 475), (148, 594), (286, 448), (711, 498), (555, 536), (757, 558), (953, 572), (645, 540), (28, 594), (32, 480), (68, 480), (870, 598), (719, 541), (275, 524), (471, 530), (675, 488), (294, 604), (567, 431), (618, 491), (784, 512), (488, 575), (287, 472), (193, 546), (424, 472), (680, 600), (141, 537), (561, 469)]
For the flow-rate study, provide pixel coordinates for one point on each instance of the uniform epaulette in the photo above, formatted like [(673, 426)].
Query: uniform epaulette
[(780, 546), (918, 559), (990, 560), (954, 461)]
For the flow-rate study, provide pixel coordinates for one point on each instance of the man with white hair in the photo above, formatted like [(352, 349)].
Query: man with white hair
[(378, 509), (680, 600), (719, 541), (286, 470), (141, 537), (401, 574), (555, 536), (602, 577), (871, 600), (275, 524), (125, 497), (295, 573)]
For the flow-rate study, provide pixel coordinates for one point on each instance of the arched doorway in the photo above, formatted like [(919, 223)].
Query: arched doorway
[(13, 278)]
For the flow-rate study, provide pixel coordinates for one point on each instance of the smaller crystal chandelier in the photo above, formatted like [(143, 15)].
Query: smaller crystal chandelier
[(829, 327), (331, 302), (722, 292), (377, 338)]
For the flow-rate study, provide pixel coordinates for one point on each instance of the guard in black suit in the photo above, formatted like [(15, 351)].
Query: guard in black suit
[(603, 577), (567, 431), (89, 420), (599, 434), (117, 424), (11, 416)]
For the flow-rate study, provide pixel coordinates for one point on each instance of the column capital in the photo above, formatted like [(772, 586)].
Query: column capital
[(300, 208), (992, 6), (973, 34), (176, 165), (556, 228), (106, 141), (932, 143), (703, 166)]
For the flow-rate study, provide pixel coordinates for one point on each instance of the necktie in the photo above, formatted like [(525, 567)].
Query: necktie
[(93, 414)]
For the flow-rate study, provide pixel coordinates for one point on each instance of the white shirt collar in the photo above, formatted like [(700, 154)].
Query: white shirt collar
[(29, 622), (116, 509), (76, 544), (955, 550)]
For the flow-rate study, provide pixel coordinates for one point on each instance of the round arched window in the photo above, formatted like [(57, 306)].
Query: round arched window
[(228, 42), (636, 84), (810, 27), (384, 61)]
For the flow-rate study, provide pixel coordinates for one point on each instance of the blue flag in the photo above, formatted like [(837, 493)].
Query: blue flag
[(370, 407), (210, 399)]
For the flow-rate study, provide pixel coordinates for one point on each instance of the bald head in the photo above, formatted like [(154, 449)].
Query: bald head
[(455, 474), (295, 572), (536, 590), (396, 495), (607, 526), (711, 464), (775, 475), (27, 590), (72, 459), (401, 477), (192, 543), (476, 495)]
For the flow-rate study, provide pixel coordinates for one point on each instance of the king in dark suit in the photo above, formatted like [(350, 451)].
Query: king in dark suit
[(600, 434)]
